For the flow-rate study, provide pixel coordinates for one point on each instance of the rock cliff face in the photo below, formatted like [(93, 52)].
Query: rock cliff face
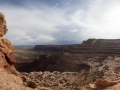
[(7, 60), (3, 27)]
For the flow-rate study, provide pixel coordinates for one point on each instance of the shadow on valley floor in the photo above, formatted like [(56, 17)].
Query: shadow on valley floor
[(52, 63)]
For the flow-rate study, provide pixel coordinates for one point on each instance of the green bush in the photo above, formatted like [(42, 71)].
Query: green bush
[(76, 88), (45, 84), (31, 84), (14, 72)]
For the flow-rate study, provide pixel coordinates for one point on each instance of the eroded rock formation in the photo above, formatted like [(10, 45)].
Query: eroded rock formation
[(7, 60)]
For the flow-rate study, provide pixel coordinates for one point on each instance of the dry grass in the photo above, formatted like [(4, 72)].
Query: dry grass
[(25, 53)]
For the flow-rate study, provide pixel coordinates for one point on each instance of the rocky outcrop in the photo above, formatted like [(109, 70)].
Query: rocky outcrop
[(7, 60), (3, 27)]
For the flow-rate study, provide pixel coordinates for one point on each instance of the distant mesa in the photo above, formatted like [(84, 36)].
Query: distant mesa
[(98, 46)]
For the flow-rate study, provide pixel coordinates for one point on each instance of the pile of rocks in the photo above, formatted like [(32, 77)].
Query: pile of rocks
[(57, 79)]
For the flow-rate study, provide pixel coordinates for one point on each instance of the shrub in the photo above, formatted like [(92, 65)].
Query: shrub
[(76, 88), (31, 84), (14, 72), (45, 84)]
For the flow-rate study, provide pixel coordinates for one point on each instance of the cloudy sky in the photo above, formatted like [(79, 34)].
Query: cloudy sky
[(32, 22)]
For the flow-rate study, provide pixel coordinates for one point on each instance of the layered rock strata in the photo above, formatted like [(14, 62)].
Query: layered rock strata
[(98, 46)]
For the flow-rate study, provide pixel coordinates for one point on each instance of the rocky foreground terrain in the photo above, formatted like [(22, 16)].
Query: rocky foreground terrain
[(107, 69), (14, 82), (56, 80)]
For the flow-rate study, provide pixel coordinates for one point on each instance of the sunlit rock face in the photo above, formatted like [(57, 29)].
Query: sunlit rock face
[(7, 60), (3, 27)]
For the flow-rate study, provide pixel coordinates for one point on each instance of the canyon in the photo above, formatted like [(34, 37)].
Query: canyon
[(90, 61)]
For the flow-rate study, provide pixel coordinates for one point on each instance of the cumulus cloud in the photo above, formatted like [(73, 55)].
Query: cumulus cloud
[(40, 23), (32, 25), (101, 20)]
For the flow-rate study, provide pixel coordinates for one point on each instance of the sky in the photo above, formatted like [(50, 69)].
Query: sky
[(40, 22)]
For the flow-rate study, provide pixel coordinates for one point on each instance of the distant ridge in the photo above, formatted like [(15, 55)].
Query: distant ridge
[(54, 48), (98, 46)]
